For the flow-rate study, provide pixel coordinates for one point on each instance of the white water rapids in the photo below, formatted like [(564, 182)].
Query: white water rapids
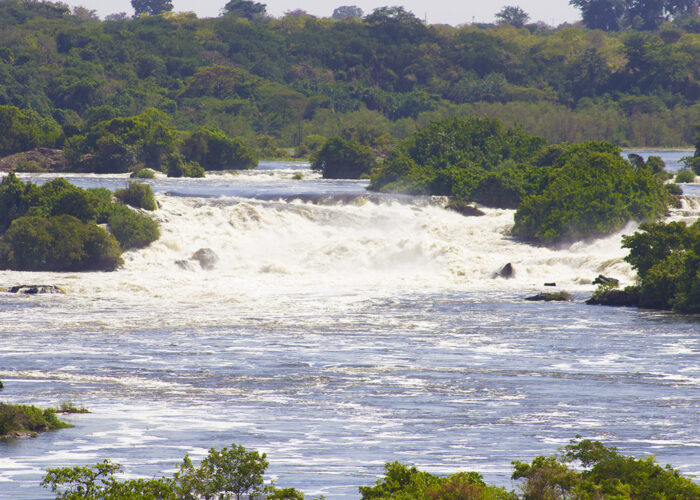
[(338, 331)]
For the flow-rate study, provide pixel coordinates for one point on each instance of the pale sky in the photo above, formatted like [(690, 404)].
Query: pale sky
[(455, 12)]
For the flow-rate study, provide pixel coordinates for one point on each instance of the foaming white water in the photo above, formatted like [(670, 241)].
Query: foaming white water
[(388, 247), (272, 249)]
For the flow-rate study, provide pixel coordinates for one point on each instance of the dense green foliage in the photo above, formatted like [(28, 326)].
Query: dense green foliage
[(53, 227), (24, 418), (645, 15), (381, 76), (452, 157), (606, 474), (403, 482), (60, 243), (25, 129), (132, 229), (137, 195), (341, 159), (563, 192), (227, 473), (588, 191), (214, 150), (667, 260)]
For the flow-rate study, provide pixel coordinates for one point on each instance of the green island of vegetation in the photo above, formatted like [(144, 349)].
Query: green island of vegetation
[(54, 227), (27, 421), (562, 192), (585, 470)]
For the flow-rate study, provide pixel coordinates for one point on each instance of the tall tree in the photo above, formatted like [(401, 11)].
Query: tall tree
[(347, 12), (151, 7), (513, 15), (245, 8), (601, 14)]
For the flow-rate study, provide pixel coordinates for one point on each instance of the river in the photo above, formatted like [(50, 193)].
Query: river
[(339, 331)]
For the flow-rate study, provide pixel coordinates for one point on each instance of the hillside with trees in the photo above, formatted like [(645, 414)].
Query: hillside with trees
[(374, 78)]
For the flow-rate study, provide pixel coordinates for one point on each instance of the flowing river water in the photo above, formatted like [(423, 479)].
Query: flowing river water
[(340, 330)]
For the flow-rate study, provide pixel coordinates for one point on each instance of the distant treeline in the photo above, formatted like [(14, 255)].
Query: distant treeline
[(377, 79)]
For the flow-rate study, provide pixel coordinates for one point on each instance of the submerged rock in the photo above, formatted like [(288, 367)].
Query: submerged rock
[(185, 264), (618, 298), (549, 297), (464, 208), (604, 280), (206, 257), (35, 289), (506, 272)]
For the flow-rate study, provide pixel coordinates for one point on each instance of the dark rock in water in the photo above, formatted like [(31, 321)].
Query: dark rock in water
[(35, 289), (550, 284), (464, 208), (604, 280), (36, 160), (619, 298), (206, 257), (185, 264), (549, 297), (506, 272), (1, 386)]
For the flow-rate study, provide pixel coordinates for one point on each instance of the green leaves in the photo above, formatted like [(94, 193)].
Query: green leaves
[(341, 159)]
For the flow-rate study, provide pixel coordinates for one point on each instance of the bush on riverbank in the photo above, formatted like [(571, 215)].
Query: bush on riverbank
[(667, 260), (132, 229), (20, 420), (227, 473)]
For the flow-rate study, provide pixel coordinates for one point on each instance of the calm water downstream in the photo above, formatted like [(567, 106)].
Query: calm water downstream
[(337, 332)]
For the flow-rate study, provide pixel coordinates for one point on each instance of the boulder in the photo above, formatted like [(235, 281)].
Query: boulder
[(618, 298), (36, 160), (464, 208), (549, 297), (506, 272), (604, 280), (550, 284), (206, 257), (35, 289)]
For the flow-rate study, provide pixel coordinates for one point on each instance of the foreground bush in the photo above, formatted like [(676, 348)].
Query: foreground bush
[(61, 243), (227, 473), (19, 419)]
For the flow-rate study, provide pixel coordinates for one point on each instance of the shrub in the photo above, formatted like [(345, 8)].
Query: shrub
[(133, 229), (137, 195), (685, 175), (143, 173), (23, 418), (214, 150), (61, 243), (179, 168), (341, 159)]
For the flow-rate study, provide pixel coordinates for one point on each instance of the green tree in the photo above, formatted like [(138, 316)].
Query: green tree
[(245, 8), (513, 15), (601, 14), (341, 159), (23, 130), (151, 7), (347, 12)]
